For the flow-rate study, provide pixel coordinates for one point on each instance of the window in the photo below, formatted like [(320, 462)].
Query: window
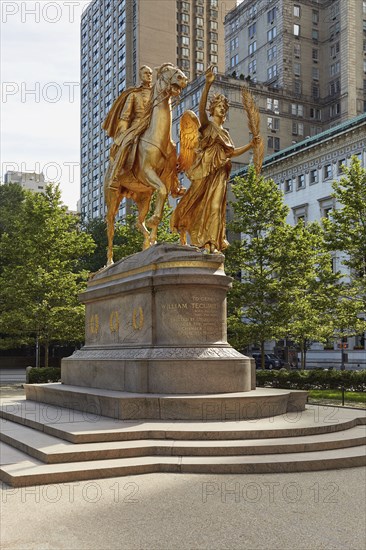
[(273, 143), (335, 109), (252, 30), (184, 17), (288, 185), (315, 91), (335, 87), (185, 40), (297, 11), (271, 34), (315, 34), (297, 110), (334, 49), (199, 22), (297, 86), (213, 26), (271, 15), (273, 123), (315, 55), (315, 17), (212, 36), (297, 69), (327, 171), (185, 52), (301, 181), (315, 113), (315, 73), (297, 129), (199, 56), (252, 66), (213, 59), (340, 164), (272, 53), (296, 30), (272, 72), (234, 43), (335, 68), (234, 60), (273, 105), (252, 47), (200, 44), (297, 50), (313, 176)]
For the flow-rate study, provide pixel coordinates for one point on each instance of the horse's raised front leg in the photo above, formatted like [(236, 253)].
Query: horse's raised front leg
[(112, 199), (143, 205), (161, 194)]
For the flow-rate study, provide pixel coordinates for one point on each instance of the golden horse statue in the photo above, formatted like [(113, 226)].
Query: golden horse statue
[(151, 163)]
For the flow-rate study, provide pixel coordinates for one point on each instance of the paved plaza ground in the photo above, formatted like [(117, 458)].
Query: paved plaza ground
[(310, 510)]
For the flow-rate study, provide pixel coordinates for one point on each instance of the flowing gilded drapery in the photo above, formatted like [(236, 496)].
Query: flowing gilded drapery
[(202, 210)]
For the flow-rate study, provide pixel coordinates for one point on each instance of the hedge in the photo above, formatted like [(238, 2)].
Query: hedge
[(44, 375), (315, 379)]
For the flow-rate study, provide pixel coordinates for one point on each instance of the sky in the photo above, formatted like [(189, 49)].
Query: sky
[(40, 90)]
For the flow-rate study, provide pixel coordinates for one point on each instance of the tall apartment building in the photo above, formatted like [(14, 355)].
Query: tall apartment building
[(315, 50), (117, 38)]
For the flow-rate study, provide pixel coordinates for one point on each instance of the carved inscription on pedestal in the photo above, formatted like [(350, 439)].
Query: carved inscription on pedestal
[(197, 319)]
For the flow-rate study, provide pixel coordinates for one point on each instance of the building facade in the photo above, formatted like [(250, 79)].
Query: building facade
[(28, 180), (304, 172), (117, 38), (313, 49)]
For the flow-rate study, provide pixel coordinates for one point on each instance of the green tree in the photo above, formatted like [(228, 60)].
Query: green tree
[(11, 199), (346, 226), (127, 238), (312, 290), (42, 275), (255, 262)]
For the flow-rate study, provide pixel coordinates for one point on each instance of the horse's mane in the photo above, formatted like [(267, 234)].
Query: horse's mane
[(161, 69)]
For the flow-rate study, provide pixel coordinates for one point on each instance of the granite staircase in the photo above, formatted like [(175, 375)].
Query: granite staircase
[(43, 444)]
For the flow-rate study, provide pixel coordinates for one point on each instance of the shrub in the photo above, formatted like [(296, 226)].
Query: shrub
[(315, 379), (44, 375)]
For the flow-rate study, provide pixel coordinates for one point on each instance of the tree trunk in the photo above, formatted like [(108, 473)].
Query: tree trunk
[(263, 365), (302, 356), (46, 353)]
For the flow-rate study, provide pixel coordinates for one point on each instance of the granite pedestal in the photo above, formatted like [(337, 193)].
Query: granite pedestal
[(156, 333)]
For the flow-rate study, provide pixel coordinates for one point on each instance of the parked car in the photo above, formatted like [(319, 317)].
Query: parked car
[(271, 361)]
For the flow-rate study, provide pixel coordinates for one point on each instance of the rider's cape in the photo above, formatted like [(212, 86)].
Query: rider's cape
[(127, 148), (110, 124)]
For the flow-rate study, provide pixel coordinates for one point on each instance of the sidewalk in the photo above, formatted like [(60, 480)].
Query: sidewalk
[(299, 511)]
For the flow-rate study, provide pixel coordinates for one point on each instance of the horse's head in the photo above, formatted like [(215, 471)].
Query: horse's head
[(172, 79)]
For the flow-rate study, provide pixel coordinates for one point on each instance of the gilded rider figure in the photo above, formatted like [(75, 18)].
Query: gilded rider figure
[(127, 119)]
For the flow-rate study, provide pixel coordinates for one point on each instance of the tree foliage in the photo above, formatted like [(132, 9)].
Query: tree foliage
[(42, 276), (346, 226), (127, 239), (284, 282), (255, 260)]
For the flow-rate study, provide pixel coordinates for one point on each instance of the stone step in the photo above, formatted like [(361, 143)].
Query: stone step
[(78, 427), (51, 450), (33, 472), (129, 406)]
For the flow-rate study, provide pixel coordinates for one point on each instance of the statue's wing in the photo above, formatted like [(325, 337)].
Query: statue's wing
[(189, 126)]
